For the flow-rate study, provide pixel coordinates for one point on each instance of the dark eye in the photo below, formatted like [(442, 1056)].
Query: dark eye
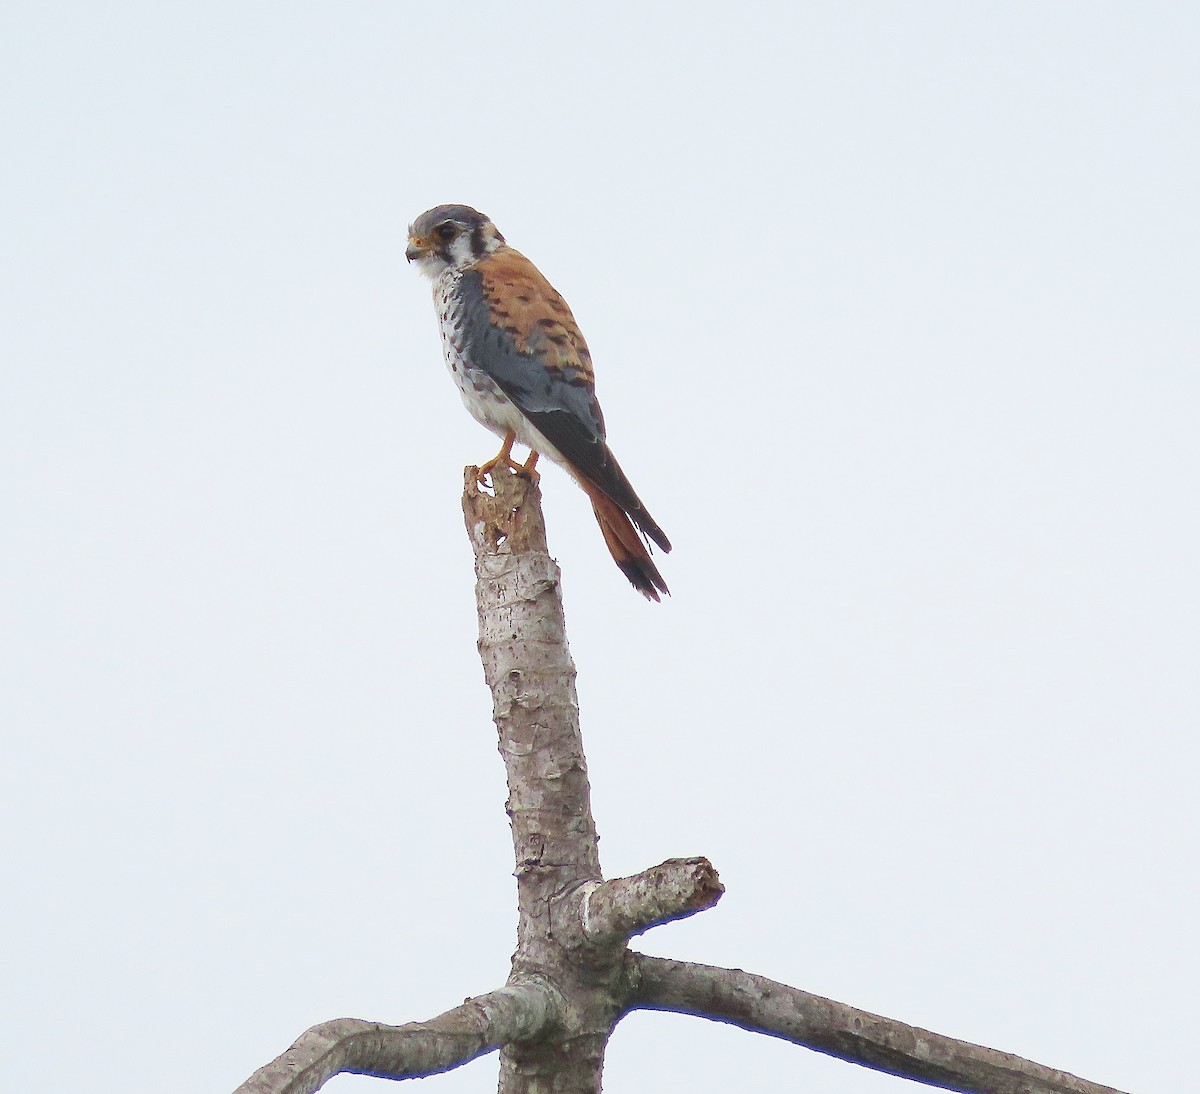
[(446, 232)]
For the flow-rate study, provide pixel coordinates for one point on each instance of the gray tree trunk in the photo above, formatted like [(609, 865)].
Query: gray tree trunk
[(573, 975)]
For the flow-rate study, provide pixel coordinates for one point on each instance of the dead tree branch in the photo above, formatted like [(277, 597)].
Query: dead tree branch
[(627, 906), (410, 1051), (523, 646), (573, 977), (765, 1006)]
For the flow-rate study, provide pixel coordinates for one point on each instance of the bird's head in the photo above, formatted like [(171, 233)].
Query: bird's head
[(450, 237)]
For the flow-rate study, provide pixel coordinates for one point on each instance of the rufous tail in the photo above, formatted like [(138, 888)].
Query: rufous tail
[(628, 550)]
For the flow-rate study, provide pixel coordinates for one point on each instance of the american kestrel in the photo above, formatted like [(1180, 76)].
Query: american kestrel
[(524, 371)]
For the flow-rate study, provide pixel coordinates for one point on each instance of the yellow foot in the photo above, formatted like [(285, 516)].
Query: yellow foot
[(504, 456), (504, 459), (489, 469)]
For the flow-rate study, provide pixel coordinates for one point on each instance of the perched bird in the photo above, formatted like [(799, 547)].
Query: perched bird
[(524, 371)]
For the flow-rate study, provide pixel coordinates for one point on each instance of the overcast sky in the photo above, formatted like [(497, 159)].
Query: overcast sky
[(894, 314)]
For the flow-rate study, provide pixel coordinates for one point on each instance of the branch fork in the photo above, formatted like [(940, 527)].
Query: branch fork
[(573, 977)]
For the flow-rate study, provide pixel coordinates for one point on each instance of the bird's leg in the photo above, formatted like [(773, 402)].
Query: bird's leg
[(504, 456)]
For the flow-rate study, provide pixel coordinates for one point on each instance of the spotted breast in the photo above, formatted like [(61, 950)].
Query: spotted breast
[(481, 395)]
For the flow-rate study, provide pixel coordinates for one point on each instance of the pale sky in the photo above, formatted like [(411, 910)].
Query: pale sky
[(894, 315)]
